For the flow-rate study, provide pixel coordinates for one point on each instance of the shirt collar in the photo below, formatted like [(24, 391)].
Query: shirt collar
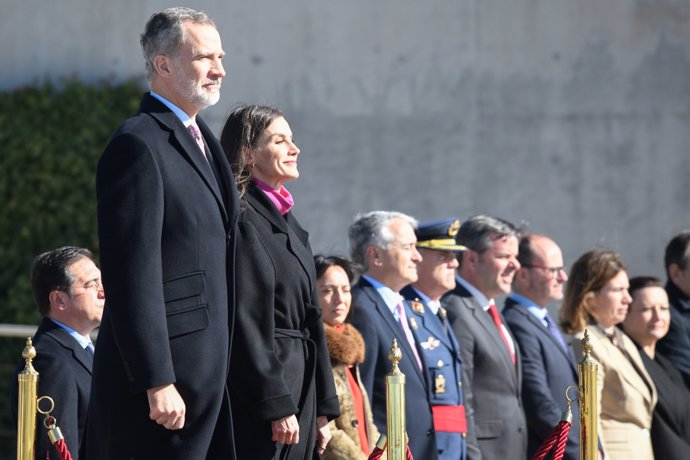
[(530, 306), (181, 114), (481, 298), (83, 341), (389, 296)]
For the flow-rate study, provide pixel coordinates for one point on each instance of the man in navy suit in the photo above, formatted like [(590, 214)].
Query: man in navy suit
[(548, 365), (67, 289), (383, 245), (490, 356), (167, 207), (435, 338)]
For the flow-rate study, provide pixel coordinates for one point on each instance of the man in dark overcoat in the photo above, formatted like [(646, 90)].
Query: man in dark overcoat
[(167, 204)]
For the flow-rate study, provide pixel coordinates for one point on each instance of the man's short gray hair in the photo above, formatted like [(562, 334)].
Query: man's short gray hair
[(480, 231), (164, 34), (371, 229)]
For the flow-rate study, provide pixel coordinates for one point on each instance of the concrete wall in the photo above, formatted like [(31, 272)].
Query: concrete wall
[(570, 115)]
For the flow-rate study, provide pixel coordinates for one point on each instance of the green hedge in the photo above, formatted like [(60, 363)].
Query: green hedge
[(50, 140)]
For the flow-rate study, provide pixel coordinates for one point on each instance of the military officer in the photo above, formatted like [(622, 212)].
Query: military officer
[(435, 339)]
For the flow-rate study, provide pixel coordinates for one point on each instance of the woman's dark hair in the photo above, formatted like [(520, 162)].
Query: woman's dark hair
[(241, 132), (641, 282), (324, 262)]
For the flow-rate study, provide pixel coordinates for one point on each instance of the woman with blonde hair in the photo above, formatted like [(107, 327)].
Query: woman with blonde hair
[(597, 299)]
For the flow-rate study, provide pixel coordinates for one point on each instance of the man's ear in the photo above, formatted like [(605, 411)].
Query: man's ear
[(162, 65), (522, 274), (57, 300), (470, 257), (374, 256)]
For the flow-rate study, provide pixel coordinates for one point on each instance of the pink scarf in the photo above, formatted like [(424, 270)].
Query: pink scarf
[(282, 199)]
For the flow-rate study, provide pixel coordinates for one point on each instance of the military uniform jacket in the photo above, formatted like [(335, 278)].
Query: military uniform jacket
[(440, 353)]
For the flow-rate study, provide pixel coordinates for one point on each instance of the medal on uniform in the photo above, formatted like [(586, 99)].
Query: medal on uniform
[(431, 343), (418, 307), (440, 384)]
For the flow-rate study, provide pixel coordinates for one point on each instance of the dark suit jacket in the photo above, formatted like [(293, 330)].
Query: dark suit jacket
[(64, 369), (372, 317), (163, 224), (671, 416), (492, 382), (675, 345), (547, 370), (280, 364)]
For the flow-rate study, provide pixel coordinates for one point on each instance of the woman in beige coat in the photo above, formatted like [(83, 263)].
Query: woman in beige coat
[(354, 433), (597, 299)]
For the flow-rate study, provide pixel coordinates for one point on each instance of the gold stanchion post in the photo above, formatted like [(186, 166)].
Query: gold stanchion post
[(589, 404), (28, 387), (395, 407)]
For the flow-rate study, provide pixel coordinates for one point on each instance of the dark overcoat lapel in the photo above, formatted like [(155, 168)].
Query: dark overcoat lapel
[(61, 336), (297, 237), (190, 150)]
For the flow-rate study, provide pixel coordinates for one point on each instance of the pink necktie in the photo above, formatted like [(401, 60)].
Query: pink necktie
[(493, 312), (402, 320), (196, 134)]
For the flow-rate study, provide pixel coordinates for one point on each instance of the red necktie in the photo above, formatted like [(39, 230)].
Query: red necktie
[(493, 312)]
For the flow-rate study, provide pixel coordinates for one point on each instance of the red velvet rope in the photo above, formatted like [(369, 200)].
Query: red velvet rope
[(562, 441), (376, 454), (558, 437), (62, 450)]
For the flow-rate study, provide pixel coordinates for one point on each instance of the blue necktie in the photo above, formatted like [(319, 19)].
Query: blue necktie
[(556, 333)]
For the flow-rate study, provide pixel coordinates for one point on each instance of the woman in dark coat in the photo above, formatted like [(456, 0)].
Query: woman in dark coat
[(647, 322), (281, 384)]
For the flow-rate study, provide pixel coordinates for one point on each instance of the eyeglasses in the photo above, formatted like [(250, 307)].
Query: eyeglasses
[(96, 285), (552, 271)]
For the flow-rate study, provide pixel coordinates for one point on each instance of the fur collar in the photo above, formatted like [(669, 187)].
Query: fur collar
[(346, 347)]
